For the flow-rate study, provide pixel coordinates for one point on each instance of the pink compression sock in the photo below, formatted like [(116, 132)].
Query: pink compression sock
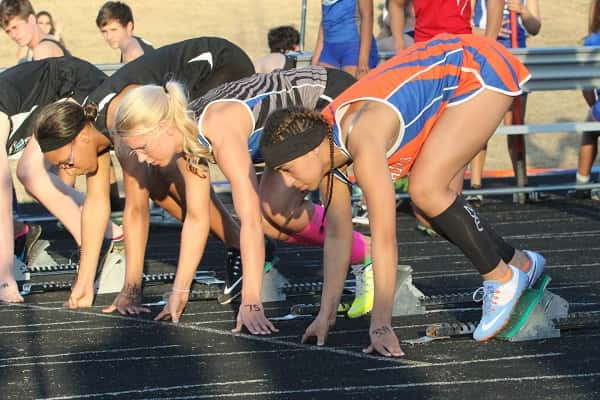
[(23, 232), (312, 235)]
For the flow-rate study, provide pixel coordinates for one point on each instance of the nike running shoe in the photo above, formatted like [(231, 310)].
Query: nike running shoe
[(365, 291), (536, 266), (499, 300), (234, 273)]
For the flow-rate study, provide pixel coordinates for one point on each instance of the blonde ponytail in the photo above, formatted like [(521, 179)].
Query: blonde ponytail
[(145, 107)]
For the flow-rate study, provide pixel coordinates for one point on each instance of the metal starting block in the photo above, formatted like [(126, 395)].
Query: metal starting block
[(408, 299), (273, 284), (38, 255)]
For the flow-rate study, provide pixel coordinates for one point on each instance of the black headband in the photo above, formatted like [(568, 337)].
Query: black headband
[(50, 142), (294, 146)]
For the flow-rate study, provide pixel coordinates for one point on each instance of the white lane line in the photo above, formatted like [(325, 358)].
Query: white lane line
[(38, 331), (352, 389), (228, 333), (351, 331), (44, 324), (233, 311), (14, 309), (155, 389), (122, 350), (485, 360), (218, 321), (146, 358)]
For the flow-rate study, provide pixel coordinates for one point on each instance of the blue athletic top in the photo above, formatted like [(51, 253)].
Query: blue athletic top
[(480, 19), (341, 21), (590, 41)]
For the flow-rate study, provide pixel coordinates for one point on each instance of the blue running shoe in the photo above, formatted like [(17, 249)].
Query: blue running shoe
[(499, 301), (536, 266)]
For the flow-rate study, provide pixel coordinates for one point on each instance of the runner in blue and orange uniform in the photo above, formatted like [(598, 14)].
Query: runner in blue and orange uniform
[(426, 111)]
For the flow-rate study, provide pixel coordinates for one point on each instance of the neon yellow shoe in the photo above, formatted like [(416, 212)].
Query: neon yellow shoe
[(365, 291)]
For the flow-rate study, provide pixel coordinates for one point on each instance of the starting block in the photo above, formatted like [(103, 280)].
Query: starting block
[(535, 314), (20, 272), (112, 273), (273, 282), (38, 255), (408, 299)]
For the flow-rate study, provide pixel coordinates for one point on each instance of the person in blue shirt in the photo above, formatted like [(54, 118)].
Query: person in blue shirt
[(345, 39)]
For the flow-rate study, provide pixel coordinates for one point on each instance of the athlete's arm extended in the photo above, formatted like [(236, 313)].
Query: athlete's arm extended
[(136, 222), (336, 258), (194, 235), (372, 134), (95, 216), (228, 125)]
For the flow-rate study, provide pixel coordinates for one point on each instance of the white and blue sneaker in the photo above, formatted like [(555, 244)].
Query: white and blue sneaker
[(536, 266), (499, 300)]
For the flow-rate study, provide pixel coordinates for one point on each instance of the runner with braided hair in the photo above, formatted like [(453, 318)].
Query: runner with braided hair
[(426, 111)]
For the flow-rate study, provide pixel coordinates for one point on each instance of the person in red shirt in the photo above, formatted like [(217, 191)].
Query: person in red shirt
[(433, 17)]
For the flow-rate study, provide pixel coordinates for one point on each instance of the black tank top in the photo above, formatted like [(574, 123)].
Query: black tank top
[(27, 87), (200, 64), (144, 44)]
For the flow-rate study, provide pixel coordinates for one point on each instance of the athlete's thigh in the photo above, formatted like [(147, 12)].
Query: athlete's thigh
[(458, 135)]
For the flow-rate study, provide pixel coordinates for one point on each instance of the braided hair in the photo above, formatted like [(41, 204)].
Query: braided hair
[(292, 132)]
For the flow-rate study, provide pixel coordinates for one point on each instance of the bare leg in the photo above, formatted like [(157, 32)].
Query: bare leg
[(516, 143), (477, 166), (587, 153), (434, 170)]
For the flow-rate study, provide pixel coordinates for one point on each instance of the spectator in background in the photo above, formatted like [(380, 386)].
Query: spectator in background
[(385, 39), (115, 21), (282, 40), (19, 22), (589, 140), (441, 16), (529, 22), (345, 40), (49, 26), (46, 22)]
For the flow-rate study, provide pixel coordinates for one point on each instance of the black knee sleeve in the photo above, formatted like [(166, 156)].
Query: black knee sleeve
[(461, 225)]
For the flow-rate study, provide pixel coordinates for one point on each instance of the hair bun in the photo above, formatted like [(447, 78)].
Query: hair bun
[(90, 111)]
